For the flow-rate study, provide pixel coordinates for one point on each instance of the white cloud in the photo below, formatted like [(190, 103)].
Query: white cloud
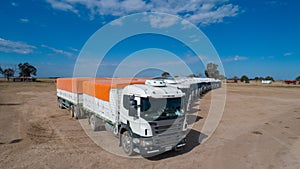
[(133, 5), (74, 49), (161, 21), (203, 12), (58, 51), (275, 3), (117, 22), (24, 20), (235, 58), (214, 16), (267, 57), (14, 4), (186, 24), (9, 46), (194, 59), (288, 54), (194, 38), (62, 5)]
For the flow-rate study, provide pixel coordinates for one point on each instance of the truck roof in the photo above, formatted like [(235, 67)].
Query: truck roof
[(155, 92), (101, 88)]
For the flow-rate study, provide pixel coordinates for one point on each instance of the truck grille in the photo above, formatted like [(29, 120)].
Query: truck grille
[(167, 133)]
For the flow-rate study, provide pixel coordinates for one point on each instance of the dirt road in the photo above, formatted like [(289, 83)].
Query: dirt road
[(260, 128)]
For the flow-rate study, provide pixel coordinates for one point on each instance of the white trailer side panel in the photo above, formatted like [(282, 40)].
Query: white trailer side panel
[(75, 98), (103, 109), (115, 101)]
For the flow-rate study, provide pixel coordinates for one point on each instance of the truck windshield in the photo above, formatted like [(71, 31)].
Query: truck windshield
[(153, 109)]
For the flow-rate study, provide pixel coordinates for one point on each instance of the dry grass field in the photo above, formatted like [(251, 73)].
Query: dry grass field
[(260, 128)]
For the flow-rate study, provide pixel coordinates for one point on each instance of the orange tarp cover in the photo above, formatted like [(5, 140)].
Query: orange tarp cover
[(73, 85), (101, 88)]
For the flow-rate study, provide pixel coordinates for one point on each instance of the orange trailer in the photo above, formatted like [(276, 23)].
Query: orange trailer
[(100, 88), (70, 91)]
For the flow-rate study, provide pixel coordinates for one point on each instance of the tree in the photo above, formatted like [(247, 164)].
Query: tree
[(298, 78), (222, 77), (192, 75), (26, 70), (7, 73), (212, 71), (269, 78), (235, 79), (165, 74), (245, 79), (1, 71), (206, 73)]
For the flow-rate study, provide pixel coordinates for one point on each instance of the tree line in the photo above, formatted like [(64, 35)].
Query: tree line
[(245, 78), (212, 71), (25, 70)]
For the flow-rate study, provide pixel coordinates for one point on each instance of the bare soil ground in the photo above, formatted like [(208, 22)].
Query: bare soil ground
[(260, 128)]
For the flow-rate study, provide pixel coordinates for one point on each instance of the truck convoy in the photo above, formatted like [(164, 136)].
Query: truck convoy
[(148, 116), (193, 88)]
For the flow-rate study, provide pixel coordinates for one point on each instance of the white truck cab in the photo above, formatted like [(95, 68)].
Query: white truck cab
[(152, 118)]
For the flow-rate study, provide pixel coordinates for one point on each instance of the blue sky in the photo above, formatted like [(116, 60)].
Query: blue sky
[(255, 38)]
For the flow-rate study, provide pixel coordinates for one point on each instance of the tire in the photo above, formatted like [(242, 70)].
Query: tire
[(93, 122), (75, 112), (89, 119), (72, 111), (60, 103), (127, 144)]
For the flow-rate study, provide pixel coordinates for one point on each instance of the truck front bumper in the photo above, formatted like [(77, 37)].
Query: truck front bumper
[(152, 150)]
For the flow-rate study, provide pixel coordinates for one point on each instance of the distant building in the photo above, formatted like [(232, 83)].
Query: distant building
[(23, 79), (266, 81)]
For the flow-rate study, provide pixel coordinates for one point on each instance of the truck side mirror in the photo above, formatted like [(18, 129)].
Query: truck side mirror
[(133, 102), (133, 111), (133, 106), (131, 97)]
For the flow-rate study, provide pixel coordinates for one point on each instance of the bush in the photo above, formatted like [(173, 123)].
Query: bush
[(269, 78), (245, 79)]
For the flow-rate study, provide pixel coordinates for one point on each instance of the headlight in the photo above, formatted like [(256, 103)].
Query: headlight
[(145, 143), (136, 140)]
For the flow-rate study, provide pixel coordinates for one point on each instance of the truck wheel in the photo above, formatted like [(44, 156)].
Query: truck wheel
[(75, 112), (72, 110), (60, 103), (127, 143), (93, 122)]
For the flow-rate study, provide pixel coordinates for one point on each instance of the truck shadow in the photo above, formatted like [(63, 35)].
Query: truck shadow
[(191, 118), (193, 110), (10, 104), (194, 139)]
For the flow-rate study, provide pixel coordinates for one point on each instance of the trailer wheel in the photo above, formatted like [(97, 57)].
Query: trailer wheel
[(75, 112), (127, 144), (72, 110), (60, 103)]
